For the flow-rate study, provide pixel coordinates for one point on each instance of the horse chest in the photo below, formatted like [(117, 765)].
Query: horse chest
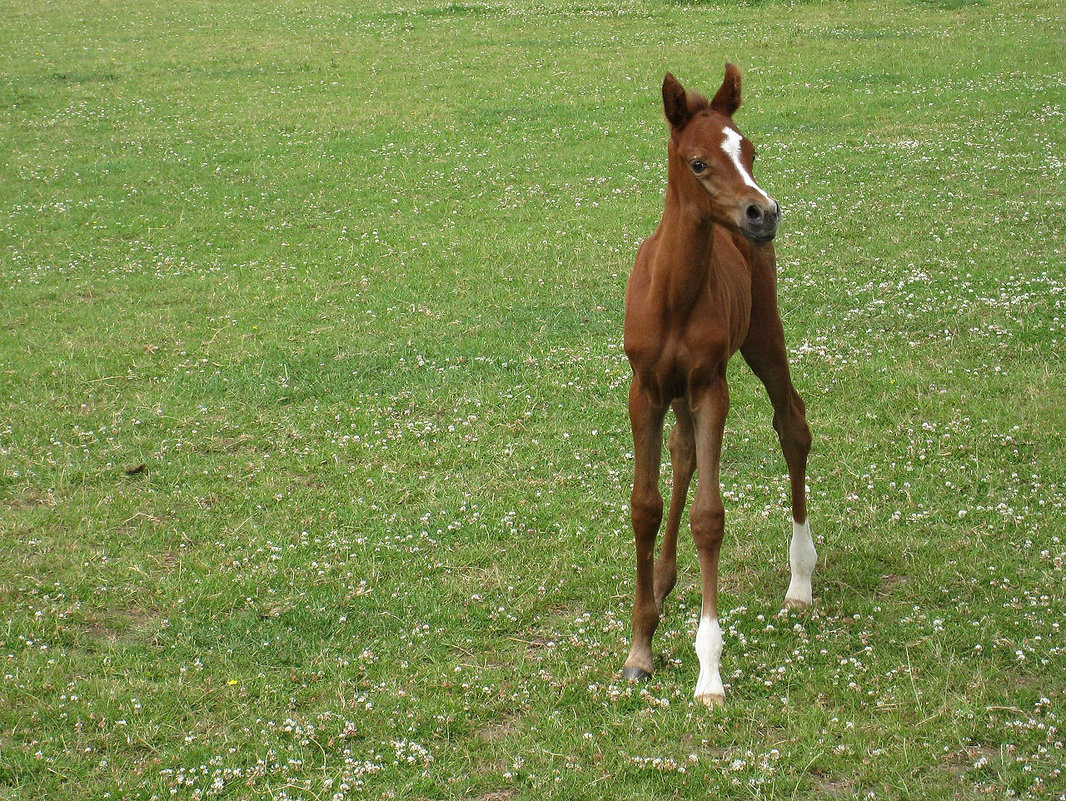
[(671, 354), (688, 307)]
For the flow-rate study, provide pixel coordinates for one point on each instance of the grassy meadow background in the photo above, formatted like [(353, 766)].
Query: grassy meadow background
[(314, 459)]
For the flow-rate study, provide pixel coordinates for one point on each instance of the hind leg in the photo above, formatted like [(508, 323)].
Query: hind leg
[(683, 460), (765, 353)]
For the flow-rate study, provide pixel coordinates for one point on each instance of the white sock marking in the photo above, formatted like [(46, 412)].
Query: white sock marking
[(709, 651), (802, 558), (731, 146)]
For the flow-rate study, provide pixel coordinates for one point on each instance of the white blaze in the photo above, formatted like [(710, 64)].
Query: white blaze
[(731, 147)]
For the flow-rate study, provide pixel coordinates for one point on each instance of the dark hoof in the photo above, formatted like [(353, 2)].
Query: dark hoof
[(635, 674)]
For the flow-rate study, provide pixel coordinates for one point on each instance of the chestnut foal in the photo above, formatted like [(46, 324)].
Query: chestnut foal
[(704, 285)]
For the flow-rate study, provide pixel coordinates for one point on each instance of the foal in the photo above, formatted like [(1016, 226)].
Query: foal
[(704, 285)]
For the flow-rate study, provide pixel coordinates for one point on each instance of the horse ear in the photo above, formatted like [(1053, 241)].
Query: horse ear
[(727, 98), (675, 104), (680, 106)]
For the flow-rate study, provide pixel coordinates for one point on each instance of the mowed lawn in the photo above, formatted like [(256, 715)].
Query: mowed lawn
[(314, 460)]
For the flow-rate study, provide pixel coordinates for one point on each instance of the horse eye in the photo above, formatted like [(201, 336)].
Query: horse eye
[(698, 166)]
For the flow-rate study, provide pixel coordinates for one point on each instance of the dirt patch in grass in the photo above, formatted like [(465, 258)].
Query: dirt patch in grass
[(889, 583), (30, 500), (229, 444), (139, 520), (968, 757), (830, 787), (123, 625), (498, 730), (535, 643)]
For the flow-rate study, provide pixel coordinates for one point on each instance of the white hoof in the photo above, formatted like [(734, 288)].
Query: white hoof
[(712, 699)]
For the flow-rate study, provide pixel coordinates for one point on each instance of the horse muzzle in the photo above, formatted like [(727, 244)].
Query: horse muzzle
[(759, 221)]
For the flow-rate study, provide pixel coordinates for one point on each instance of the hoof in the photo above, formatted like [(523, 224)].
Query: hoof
[(795, 604), (712, 699), (635, 674)]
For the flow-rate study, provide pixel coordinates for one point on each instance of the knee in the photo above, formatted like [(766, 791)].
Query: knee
[(647, 509), (708, 525)]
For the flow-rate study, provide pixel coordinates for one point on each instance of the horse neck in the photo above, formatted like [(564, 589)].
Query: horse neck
[(687, 241)]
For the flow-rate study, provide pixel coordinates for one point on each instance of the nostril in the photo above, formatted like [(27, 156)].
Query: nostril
[(754, 213), (777, 210)]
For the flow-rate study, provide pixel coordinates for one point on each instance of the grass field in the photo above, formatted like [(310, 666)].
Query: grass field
[(314, 460)]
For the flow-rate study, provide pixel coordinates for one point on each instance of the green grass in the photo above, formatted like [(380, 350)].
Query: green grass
[(347, 282)]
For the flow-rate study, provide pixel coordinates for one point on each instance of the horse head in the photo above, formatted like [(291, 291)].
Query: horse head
[(711, 160)]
